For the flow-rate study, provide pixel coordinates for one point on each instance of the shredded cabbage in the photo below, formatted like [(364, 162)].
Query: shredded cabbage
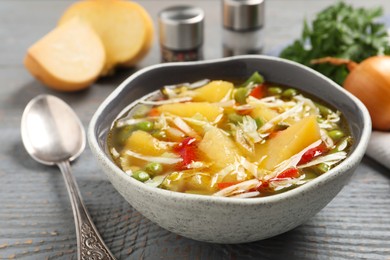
[(239, 188), (329, 159), (271, 123), (184, 127), (166, 101), (172, 159)]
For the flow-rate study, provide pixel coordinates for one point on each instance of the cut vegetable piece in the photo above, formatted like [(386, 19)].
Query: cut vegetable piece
[(214, 91), (255, 78), (200, 182), (291, 141), (188, 151), (188, 181), (189, 109), (258, 91), (69, 58), (263, 112), (218, 148), (124, 27), (145, 144), (157, 159)]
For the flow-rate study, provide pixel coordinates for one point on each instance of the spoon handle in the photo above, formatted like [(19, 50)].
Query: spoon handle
[(89, 243)]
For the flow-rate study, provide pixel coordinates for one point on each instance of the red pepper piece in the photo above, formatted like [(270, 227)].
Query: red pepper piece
[(187, 150), (311, 153), (258, 91), (264, 188), (289, 173), (153, 112), (223, 185), (244, 112)]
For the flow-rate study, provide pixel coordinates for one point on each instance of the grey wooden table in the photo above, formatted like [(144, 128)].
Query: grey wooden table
[(36, 221)]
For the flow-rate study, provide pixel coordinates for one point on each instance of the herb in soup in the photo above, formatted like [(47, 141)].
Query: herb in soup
[(233, 140)]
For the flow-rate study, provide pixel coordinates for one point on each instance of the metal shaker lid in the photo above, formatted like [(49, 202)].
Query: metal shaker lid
[(243, 14), (181, 27)]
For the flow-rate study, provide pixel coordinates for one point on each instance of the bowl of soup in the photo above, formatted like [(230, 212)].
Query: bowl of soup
[(232, 150)]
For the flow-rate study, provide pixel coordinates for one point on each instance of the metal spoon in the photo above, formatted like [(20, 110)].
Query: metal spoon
[(53, 135)]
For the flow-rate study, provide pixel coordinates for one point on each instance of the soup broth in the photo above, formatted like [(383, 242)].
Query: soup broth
[(219, 138)]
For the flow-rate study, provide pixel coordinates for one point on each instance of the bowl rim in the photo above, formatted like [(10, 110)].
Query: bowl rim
[(354, 157)]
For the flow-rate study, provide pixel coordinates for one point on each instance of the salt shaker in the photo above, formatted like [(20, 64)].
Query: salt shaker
[(181, 33), (243, 22)]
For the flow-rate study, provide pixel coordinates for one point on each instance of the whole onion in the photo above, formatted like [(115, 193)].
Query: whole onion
[(370, 82)]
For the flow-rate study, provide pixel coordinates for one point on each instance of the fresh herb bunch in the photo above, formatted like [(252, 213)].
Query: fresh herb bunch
[(340, 31)]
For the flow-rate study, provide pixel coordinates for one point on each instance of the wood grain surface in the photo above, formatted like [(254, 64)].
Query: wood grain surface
[(36, 221)]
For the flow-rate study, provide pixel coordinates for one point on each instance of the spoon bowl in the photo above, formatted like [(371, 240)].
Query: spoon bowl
[(51, 131), (53, 135)]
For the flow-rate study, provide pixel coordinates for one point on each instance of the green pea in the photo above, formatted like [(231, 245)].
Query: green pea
[(336, 135), (289, 93), (141, 175), (324, 111), (235, 118), (145, 126), (160, 134), (273, 91), (240, 95), (322, 168), (154, 168), (259, 122)]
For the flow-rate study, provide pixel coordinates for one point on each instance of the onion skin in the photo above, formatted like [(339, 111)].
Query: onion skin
[(370, 82)]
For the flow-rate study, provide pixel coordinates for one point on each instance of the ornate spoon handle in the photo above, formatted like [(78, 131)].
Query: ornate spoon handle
[(89, 243)]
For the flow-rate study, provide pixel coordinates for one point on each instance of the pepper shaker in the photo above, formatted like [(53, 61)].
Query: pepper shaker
[(243, 22), (181, 33)]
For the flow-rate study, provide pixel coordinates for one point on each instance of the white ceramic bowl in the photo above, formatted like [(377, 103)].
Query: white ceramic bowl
[(219, 219)]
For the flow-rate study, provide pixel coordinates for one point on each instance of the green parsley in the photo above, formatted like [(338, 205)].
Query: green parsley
[(340, 31)]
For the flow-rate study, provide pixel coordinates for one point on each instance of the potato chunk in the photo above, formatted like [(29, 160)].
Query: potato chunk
[(214, 91), (264, 113), (209, 111), (290, 141), (218, 148), (143, 143)]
